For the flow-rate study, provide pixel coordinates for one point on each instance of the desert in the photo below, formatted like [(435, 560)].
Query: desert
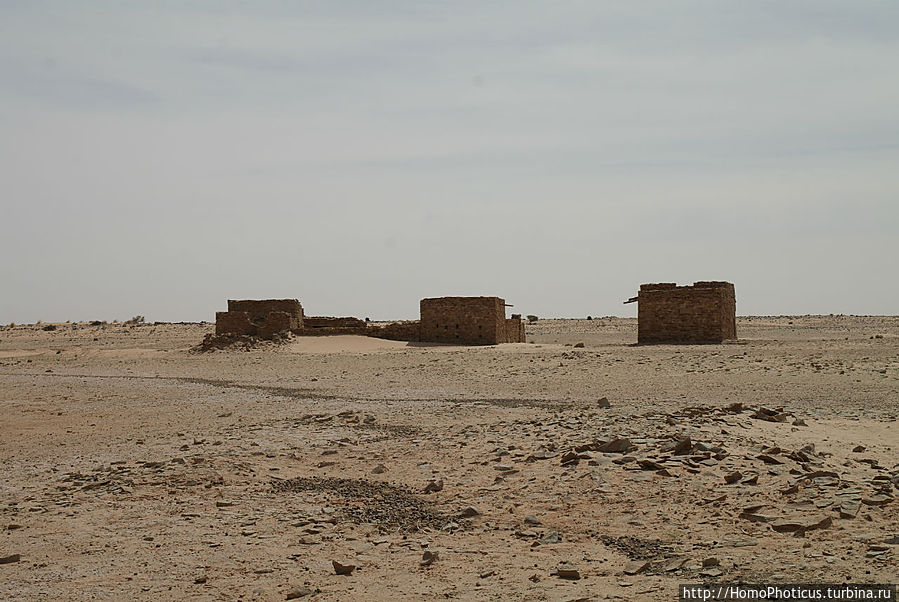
[(575, 466)]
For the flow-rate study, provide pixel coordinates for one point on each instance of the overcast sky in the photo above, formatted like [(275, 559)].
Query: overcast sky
[(158, 158)]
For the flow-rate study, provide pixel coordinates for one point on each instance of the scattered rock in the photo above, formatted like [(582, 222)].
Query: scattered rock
[(530, 519), (570, 458), (636, 566), (379, 469), (733, 477), (343, 569), (298, 592), (859, 449), (551, 538), (567, 570), (428, 558), (615, 446), (603, 403), (679, 447), (10, 559), (769, 459), (578, 345), (849, 508), (710, 561), (434, 486), (877, 500), (673, 564), (469, 512), (802, 523)]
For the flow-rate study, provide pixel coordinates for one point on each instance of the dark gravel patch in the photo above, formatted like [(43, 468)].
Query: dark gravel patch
[(636, 548), (370, 502)]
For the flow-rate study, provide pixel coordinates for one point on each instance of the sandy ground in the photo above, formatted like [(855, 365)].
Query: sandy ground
[(137, 470)]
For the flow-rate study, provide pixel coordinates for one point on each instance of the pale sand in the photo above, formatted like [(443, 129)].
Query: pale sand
[(92, 519)]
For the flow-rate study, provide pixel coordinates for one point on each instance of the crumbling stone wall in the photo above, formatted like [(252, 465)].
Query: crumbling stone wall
[(329, 322), (233, 322), (261, 318), (515, 329), (465, 320), (275, 322), (702, 313), (461, 320), (396, 331), (259, 309)]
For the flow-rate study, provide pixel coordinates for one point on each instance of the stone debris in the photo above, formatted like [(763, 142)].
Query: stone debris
[(616, 446), (378, 503), (802, 523), (636, 566), (733, 477), (567, 570), (434, 486), (343, 569), (742, 479)]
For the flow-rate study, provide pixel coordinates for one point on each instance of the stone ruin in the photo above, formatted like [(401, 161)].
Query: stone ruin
[(470, 321), (702, 313), (460, 320), (262, 319)]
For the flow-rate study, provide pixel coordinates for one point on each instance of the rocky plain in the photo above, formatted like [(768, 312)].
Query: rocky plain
[(577, 466)]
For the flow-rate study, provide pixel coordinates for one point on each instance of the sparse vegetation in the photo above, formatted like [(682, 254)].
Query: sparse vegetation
[(49, 327), (532, 318), (136, 320)]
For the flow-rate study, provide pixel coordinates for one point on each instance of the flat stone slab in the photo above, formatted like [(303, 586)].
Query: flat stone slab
[(802, 523)]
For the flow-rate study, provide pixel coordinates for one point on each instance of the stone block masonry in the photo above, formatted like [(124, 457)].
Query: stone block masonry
[(259, 309), (468, 321), (702, 313), (233, 322), (515, 329), (329, 322), (455, 320), (262, 318)]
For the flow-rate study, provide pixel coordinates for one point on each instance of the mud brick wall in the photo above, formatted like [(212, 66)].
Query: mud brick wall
[(329, 322), (259, 309), (233, 322), (702, 313), (465, 320)]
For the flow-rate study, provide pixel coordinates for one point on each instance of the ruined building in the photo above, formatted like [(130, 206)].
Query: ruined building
[(459, 320), (259, 318), (469, 320), (702, 313)]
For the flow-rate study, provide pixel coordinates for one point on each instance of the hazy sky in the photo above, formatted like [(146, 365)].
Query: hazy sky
[(159, 157)]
